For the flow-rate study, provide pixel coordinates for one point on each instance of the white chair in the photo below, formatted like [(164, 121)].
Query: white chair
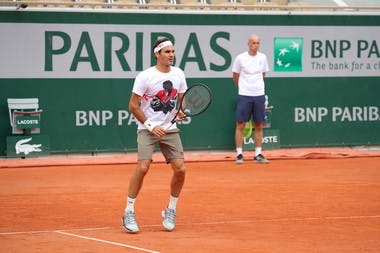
[(23, 106)]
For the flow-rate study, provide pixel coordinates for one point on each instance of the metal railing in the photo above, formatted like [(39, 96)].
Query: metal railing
[(183, 6)]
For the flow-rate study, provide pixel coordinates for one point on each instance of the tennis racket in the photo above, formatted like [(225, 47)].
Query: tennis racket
[(248, 130), (196, 100)]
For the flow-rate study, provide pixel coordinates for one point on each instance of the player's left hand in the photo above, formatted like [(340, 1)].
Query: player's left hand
[(158, 131)]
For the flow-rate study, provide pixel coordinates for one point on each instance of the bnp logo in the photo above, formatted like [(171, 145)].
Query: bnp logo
[(288, 54)]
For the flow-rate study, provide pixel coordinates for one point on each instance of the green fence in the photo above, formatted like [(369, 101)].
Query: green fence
[(81, 66)]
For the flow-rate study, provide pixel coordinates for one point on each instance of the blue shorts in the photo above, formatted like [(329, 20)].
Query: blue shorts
[(250, 107)]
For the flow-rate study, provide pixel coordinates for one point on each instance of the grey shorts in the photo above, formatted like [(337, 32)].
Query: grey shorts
[(170, 145)]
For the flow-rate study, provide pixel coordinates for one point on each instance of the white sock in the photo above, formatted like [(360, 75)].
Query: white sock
[(258, 151), (239, 151), (173, 202), (130, 207)]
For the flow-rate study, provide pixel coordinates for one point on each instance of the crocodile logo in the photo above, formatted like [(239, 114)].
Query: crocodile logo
[(22, 147)]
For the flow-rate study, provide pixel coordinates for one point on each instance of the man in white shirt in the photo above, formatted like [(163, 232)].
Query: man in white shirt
[(155, 93), (249, 70)]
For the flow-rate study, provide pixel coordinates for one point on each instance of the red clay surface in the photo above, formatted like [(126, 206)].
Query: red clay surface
[(287, 206)]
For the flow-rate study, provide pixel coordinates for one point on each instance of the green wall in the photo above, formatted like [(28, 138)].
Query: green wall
[(313, 107)]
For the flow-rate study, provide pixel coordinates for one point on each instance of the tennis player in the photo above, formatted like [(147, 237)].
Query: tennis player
[(249, 70), (155, 93)]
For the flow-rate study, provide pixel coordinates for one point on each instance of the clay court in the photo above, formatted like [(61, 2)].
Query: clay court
[(292, 205)]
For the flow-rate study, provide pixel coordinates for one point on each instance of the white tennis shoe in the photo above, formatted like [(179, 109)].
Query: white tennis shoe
[(129, 222), (169, 219)]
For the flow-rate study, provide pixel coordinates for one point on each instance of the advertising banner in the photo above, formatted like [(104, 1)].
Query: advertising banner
[(323, 83), (121, 51)]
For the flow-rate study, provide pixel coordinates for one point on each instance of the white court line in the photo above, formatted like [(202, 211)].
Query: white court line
[(340, 3), (108, 242), (288, 219), (354, 217), (52, 231)]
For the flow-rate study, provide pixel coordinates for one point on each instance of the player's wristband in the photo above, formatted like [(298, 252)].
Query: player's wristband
[(149, 125)]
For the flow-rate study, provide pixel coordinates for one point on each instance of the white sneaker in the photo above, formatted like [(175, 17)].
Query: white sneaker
[(129, 222), (169, 219)]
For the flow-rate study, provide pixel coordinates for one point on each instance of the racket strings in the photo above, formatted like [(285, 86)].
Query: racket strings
[(196, 100)]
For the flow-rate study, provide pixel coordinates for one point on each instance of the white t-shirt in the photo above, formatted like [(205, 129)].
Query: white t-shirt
[(159, 92), (250, 69)]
